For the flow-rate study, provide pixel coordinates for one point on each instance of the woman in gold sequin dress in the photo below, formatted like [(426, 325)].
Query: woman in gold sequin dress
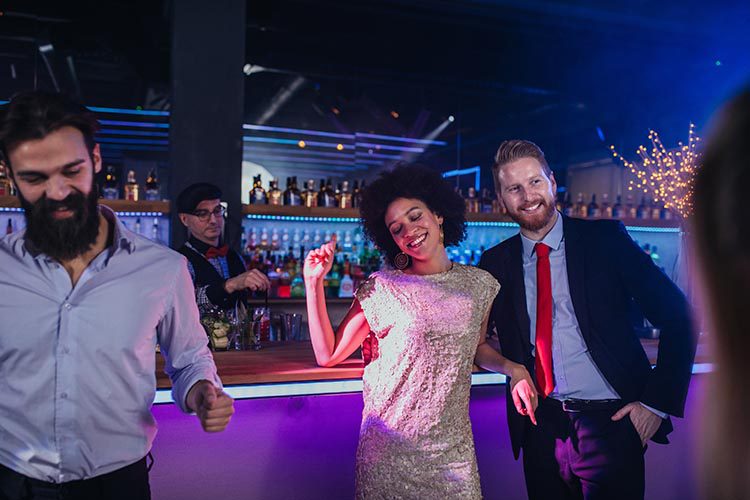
[(428, 316)]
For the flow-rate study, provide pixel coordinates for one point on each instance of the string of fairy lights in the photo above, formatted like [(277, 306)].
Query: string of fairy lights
[(668, 175)]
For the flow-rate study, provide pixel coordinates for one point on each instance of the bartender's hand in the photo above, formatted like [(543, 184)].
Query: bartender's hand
[(213, 407), (319, 261), (252, 280), (644, 420), (523, 391)]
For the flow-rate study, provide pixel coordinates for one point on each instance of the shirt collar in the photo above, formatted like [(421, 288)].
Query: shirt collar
[(200, 246), (121, 239), (552, 239)]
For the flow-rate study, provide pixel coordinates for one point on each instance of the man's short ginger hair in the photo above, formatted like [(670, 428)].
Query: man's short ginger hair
[(515, 149)]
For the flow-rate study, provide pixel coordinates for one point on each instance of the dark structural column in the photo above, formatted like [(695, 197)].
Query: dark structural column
[(207, 102)]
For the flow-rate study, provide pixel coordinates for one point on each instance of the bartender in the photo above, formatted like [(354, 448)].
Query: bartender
[(218, 273)]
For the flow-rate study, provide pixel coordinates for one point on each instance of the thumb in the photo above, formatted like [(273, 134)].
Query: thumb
[(209, 396)]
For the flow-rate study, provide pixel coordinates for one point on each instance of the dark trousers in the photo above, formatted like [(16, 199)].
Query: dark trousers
[(128, 483), (582, 455)]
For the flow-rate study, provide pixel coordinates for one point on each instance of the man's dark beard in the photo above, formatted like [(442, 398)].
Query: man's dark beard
[(62, 239), (535, 224)]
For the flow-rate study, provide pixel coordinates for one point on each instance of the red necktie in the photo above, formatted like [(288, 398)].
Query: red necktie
[(214, 252), (545, 380)]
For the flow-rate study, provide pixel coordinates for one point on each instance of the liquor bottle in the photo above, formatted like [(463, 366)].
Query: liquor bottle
[(346, 286), (666, 214), (606, 208), (9, 227), (155, 232), (655, 210), (592, 210), (137, 228), (568, 208), (356, 193), (643, 211), (361, 189), (655, 256), (345, 197), (110, 188), (472, 202), (131, 187), (580, 206), (310, 195), (327, 197), (257, 193), (630, 210), (274, 193), (292, 196), (152, 191), (5, 184), (618, 211), (485, 201), (337, 194)]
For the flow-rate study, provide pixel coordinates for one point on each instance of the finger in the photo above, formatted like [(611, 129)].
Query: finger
[(517, 402), (622, 412), (260, 276), (526, 398), (531, 410), (219, 414)]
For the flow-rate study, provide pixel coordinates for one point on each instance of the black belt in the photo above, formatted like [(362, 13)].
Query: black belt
[(585, 405), (13, 483)]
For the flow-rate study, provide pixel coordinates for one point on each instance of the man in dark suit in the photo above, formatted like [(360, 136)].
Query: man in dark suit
[(562, 312)]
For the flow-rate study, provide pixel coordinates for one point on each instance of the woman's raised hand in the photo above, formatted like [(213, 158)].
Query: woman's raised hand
[(319, 261)]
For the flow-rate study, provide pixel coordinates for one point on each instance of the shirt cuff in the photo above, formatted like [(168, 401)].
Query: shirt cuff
[(655, 411)]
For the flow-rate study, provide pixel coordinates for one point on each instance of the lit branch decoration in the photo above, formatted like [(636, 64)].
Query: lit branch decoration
[(668, 174)]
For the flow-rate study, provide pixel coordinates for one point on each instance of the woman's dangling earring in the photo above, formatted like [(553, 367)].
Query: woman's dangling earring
[(401, 261), (442, 235)]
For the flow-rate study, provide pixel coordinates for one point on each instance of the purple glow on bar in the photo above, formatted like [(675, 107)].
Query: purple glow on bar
[(121, 140), (274, 140), (285, 159), (391, 148), (133, 147), (267, 128), (401, 139), (114, 131), (143, 112), (377, 155), (134, 124), (295, 152)]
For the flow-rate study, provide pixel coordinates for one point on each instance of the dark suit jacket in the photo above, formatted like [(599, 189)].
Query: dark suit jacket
[(606, 270)]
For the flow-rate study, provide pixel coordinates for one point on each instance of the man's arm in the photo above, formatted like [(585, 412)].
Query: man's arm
[(196, 386), (666, 307)]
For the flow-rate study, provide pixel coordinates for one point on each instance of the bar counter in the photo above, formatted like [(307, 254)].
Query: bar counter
[(288, 362)]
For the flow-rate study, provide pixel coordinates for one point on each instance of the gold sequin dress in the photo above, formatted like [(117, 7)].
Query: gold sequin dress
[(416, 440)]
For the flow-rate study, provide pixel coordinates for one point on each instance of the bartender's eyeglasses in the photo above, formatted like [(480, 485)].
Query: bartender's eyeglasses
[(204, 215)]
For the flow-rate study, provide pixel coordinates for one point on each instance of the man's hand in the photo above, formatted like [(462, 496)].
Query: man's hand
[(252, 280), (213, 407), (645, 421), (523, 391)]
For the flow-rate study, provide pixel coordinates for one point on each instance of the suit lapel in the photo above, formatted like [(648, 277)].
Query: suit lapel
[(514, 260), (575, 257)]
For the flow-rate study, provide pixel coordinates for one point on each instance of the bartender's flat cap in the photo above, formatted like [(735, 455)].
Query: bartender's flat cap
[(191, 196)]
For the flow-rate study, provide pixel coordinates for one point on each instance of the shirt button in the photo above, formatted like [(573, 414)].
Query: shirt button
[(68, 306), (66, 350), (64, 395)]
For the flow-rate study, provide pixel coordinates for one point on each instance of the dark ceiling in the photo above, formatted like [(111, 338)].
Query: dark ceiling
[(573, 75)]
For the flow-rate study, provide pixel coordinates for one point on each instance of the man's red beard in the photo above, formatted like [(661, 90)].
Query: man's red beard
[(533, 222)]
